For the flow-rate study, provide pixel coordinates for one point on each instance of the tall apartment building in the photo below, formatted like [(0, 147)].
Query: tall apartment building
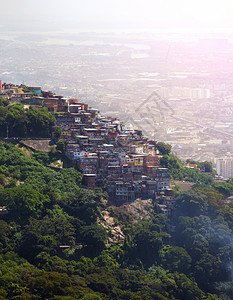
[(224, 167)]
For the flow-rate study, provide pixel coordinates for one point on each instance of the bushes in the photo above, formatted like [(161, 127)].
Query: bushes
[(178, 172)]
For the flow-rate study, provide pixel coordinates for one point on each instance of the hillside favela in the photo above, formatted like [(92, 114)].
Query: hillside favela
[(116, 150)]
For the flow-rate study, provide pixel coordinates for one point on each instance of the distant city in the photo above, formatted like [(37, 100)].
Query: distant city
[(177, 92)]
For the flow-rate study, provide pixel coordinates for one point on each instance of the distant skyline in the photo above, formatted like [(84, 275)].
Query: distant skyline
[(121, 15)]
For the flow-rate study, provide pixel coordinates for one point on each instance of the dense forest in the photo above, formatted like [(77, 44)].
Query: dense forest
[(15, 121), (53, 244)]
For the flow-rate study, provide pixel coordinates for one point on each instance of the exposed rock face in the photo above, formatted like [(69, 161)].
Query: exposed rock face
[(40, 145), (115, 217)]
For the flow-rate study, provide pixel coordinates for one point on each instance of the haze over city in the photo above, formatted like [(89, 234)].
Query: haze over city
[(115, 54)]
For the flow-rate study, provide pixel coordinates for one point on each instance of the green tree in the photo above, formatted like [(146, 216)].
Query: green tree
[(46, 235), (40, 123), (175, 259), (209, 270), (42, 157), (50, 284), (163, 148), (2, 179), (94, 236), (23, 202), (4, 101), (208, 167), (16, 120), (191, 203), (61, 145), (56, 132)]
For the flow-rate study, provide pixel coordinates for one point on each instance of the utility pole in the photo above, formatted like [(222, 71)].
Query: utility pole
[(7, 131)]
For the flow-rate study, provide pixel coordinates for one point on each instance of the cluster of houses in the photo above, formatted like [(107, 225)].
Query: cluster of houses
[(104, 148), (35, 96), (112, 155), (108, 153)]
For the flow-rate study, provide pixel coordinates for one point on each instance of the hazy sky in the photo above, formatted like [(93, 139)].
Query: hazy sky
[(142, 15)]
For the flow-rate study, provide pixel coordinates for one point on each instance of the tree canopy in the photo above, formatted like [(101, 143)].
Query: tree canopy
[(15, 121), (163, 148)]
